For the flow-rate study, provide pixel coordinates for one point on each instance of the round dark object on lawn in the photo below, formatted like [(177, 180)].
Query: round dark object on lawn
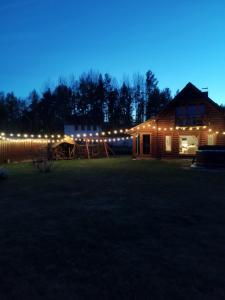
[(3, 174)]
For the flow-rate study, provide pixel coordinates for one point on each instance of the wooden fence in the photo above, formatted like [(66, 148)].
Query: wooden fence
[(20, 150)]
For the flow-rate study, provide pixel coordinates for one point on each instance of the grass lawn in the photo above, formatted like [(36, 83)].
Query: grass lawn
[(112, 229)]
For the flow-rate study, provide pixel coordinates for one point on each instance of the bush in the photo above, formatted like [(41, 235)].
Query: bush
[(3, 174), (44, 166)]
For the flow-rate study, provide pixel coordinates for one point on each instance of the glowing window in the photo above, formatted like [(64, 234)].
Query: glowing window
[(188, 144), (168, 143), (211, 139)]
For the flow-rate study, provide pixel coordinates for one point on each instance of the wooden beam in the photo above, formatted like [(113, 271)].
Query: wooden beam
[(106, 150), (88, 152)]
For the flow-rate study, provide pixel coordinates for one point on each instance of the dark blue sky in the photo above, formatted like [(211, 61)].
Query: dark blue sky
[(179, 41)]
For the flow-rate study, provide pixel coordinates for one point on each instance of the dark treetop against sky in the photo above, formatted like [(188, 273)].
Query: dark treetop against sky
[(179, 41)]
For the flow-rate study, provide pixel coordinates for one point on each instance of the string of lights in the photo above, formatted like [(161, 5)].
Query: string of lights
[(116, 139), (58, 136), (64, 139), (180, 128), (101, 136)]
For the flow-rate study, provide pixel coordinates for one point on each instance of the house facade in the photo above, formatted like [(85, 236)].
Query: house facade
[(190, 120), (80, 130)]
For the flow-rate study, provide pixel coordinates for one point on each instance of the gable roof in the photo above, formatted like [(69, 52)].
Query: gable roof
[(190, 92)]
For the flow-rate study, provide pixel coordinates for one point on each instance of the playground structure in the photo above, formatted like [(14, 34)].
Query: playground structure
[(71, 149)]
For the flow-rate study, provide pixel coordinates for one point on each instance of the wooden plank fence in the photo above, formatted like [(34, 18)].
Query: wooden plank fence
[(20, 150)]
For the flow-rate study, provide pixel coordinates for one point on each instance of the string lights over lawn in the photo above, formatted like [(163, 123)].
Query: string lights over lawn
[(104, 136), (180, 128), (97, 137)]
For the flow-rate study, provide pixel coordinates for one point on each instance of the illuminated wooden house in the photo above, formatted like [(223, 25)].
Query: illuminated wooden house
[(190, 120)]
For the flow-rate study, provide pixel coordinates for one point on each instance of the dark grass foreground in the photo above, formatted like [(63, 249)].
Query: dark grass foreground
[(112, 229)]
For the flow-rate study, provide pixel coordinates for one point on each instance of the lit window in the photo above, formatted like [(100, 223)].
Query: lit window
[(188, 144), (168, 143), (211, 139)]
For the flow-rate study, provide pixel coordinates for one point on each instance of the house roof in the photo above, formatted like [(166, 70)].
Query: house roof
[(145, 123), (189, 92)]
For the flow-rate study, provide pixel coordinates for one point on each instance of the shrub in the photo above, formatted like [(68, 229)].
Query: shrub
[(44, 166), (3, 174)]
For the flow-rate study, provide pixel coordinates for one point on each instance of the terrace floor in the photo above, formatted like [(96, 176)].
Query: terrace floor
[(112, 229)]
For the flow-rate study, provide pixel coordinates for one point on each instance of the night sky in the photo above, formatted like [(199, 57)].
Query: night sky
[(41, 40)]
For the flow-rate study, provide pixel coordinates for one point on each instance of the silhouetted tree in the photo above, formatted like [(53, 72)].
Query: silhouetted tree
[(99, 103), (31, 117), (91, 99), (62, 103), (3, 112), (152, 92), (125, 106), (139, 99)]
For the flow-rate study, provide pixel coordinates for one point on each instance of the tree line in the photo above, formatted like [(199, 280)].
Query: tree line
[(94, 99)]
